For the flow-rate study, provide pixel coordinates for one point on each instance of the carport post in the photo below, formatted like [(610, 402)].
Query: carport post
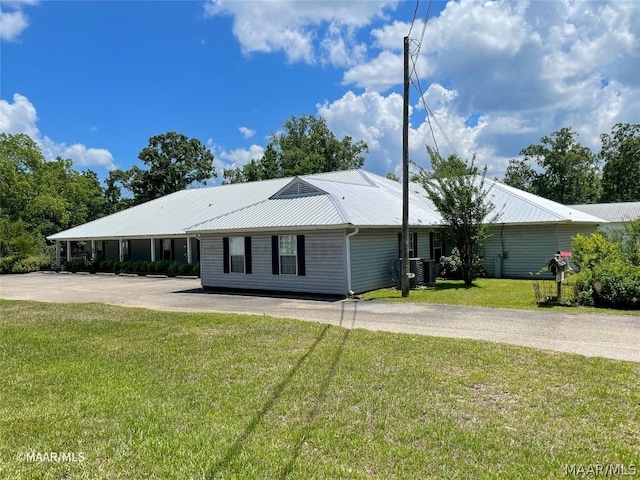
[(68, 250), (153, 250), (58, 263), (93, 250), (120, 252), (189, 250)]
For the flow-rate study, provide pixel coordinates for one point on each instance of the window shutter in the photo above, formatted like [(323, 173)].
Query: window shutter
[(173, 249), (247, 255), (275, 261), (415, 244), (301, 260), (225, 254), (431, 245)]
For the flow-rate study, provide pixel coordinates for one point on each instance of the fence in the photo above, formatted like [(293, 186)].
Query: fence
[(546, 292)]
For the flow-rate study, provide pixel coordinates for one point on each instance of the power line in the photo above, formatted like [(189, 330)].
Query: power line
[(416, 83), (415, 14)]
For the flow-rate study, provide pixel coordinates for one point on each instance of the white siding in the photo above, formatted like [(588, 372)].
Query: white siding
[(372, 255), (529, 247), (325, 261)]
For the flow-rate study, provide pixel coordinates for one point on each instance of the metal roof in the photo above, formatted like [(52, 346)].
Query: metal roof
[(171, 214), (311, 211), (612, 212), (354, 197)]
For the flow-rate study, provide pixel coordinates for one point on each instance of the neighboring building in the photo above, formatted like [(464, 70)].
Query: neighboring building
[(329, 233), (617, 214)]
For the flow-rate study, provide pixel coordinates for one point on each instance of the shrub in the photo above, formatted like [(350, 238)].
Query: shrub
[(451, 265), (608, 276), (174, 268), (29, 264), (196, 269), (160, 266), (7, 263)]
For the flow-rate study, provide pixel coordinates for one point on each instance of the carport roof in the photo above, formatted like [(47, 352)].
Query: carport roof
[(348, 198)]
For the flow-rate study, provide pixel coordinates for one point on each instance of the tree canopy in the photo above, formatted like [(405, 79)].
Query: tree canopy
[(173, 160), (457, 190), (39, 198), (306, 145), (621, 172), (568, 171)]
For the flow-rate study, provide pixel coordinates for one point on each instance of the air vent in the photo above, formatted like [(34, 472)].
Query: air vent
[(298, 188)]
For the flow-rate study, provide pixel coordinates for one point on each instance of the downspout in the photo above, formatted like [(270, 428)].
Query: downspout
[(348, 246)]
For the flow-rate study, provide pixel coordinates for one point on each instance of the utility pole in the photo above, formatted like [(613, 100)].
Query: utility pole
[(404, 278)]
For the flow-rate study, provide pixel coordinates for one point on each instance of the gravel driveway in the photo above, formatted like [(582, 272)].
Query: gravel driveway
[(611, 336)]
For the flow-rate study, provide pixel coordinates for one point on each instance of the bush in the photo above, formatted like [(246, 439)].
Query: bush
[(451, 265), (29, 264), (608, 276), (7, 263), (174, 268), (160, 266), (196, 269)]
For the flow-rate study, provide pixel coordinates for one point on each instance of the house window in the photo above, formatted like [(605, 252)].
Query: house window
[(166, 249), (100, 249), (288, 255), (437, 246), (126, 254), (413, 244), (236, 254)]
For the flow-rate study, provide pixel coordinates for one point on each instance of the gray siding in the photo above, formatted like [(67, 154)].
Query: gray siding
[(372, 255), (325, 262), (529, 247)]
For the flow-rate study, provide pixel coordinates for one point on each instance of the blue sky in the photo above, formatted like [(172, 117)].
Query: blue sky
[(92, 81)]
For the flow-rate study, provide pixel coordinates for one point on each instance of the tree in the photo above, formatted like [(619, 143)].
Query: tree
[(457, 190), (39, 198), (621, 172), (305, 146), (569, 172), (173, 162)]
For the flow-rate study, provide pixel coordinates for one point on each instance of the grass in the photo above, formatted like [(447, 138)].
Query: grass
[(146, 394), (486, 292)]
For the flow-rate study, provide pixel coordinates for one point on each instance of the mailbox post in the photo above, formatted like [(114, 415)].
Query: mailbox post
[(557, 266)]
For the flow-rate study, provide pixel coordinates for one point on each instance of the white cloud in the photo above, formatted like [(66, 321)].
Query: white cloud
[(247, 132), (295, 27), (514, 71), (13, 23), (233, 158), (21, 117)]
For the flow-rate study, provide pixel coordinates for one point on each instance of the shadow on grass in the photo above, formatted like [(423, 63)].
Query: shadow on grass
[(255, 421), (441, 285), (322, 393)]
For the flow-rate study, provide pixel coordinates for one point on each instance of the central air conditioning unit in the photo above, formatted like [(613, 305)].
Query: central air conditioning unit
[(416, 272), (416, 266)]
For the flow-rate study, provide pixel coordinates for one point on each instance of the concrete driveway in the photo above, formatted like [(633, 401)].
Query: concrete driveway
[(611, 336)]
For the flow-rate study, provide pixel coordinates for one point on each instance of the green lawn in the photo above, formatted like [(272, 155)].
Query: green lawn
[(486, 292), (147, 394)]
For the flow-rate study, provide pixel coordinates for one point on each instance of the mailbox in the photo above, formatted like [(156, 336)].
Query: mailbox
[(557, 266)]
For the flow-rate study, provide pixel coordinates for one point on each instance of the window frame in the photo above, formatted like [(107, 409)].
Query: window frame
[(294, 244), (237, 243)]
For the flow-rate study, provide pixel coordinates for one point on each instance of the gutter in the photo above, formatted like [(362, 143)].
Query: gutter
[(348, 247)]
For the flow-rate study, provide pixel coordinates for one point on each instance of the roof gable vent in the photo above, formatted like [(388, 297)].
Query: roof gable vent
[(298, 188)]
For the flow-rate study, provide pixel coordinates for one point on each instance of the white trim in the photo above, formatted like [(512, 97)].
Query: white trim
[(153, 249), (348, 246)]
